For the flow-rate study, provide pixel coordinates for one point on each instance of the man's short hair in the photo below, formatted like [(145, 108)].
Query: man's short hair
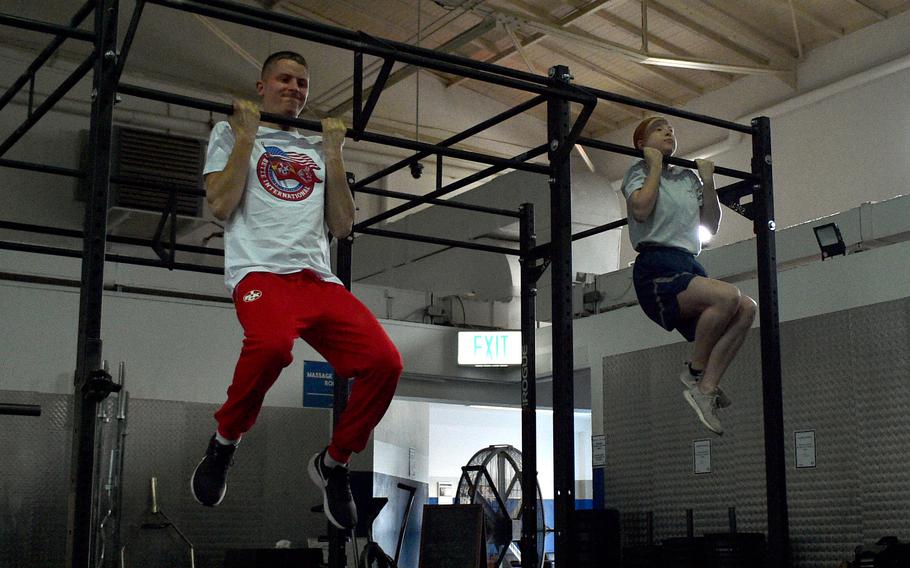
[(279, 55)]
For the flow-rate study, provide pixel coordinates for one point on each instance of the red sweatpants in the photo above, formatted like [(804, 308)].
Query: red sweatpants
[(275, 309)]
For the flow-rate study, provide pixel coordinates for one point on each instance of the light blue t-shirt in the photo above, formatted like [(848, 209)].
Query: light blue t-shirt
[(676, 216)]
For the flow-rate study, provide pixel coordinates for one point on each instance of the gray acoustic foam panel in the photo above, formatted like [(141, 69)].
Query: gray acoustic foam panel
[(269, 493), (845, 376), (34, 478), (880, 387)]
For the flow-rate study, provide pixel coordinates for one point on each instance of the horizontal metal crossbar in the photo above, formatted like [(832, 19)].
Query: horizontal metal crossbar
[(668, 110), (316, 126), (439, 241), (46, 27), (441, 202), (352, 41), (532, 153), (629, 151)]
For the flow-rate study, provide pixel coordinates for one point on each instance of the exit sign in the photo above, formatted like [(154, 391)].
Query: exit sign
[(489, 348)]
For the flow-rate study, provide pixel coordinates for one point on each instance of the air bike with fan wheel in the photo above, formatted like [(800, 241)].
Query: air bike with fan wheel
[(492, 479), (372, 555)]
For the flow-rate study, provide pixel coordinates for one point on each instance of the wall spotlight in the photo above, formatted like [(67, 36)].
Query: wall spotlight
[(416, 169), (829, 240)]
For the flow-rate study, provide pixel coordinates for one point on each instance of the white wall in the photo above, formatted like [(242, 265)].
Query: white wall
[(833, 148), (403, 430), (176, 349)]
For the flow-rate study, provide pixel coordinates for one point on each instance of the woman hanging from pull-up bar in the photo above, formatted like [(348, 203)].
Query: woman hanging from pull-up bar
[(666, 207)]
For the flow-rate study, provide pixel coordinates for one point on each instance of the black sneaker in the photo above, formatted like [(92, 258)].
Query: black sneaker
[(336, 491), (209, 482)]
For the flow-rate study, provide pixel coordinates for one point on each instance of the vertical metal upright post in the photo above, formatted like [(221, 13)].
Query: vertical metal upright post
[(81, 519), (772, 395), (558, 126), (343, 260), (344, 255), (529, 275)]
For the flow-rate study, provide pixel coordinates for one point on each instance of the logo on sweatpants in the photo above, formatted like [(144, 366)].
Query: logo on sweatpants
[(252, 296)]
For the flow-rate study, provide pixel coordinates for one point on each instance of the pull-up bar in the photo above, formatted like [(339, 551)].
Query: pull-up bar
[(315, 125), (629, 151)]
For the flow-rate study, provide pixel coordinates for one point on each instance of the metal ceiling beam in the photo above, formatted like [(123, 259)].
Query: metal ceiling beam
[(429, 30), (501, 96), (353, 12), (486, 44), (298, 10), (879, 15), (378, 126), (599, 133), (533, 68), (586, 8), (686, 84), (720, 14), (644, 25), (532, 25), (581, 12), (408, 70), (718, 38), (799, 43), (312, 109), (228, 41), (666, 75), (612, 77), (817, 21), (661, 43), (521, 50)]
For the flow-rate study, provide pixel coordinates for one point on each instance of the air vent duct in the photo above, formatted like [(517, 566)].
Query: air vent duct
[(146, 164)]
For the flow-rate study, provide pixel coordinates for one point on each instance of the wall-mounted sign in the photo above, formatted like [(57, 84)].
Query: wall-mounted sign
[(702, 451), (318, 384), (489, 348), (805, 448), (599, 450)]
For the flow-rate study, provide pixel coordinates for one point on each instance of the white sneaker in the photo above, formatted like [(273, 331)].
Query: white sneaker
[(705, 406), (686, 378)]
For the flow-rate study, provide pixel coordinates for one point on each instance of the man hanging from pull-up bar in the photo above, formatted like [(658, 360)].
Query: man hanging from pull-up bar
[(280, 193), (666, 207)]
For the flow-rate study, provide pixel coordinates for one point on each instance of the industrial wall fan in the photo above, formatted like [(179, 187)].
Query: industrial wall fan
[(492, 479)]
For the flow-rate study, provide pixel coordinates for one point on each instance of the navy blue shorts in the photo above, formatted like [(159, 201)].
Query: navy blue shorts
[(659, 274)]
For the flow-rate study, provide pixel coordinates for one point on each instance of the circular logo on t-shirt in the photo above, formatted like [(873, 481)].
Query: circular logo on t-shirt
[(290, 176)]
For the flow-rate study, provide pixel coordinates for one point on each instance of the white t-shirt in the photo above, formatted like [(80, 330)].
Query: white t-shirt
[(279, 225), (676, 215)]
